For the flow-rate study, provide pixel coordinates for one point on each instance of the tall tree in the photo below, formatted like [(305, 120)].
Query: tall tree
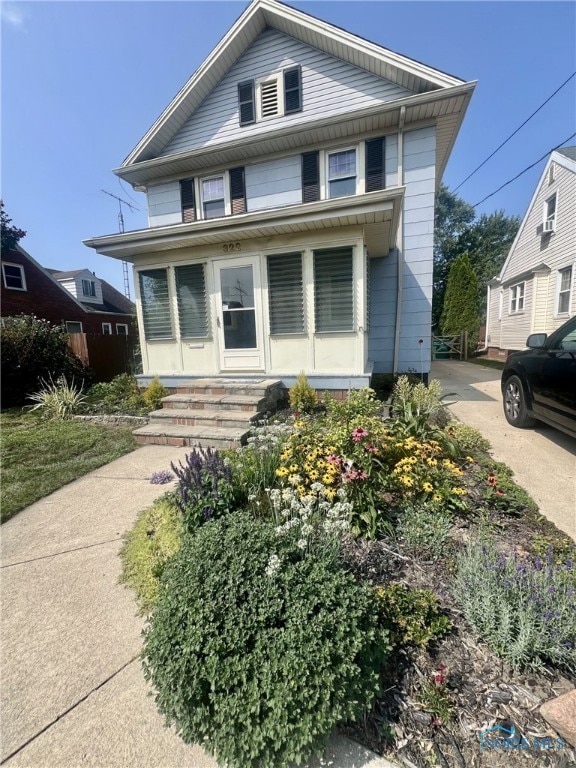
[(462, 302), (10, 235)]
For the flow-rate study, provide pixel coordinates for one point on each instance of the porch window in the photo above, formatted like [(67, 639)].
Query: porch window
[(155, 304), (191, 293), (213, 197), (342, 173), (517, 298), (564, 290), (286, 293), (333, 290)]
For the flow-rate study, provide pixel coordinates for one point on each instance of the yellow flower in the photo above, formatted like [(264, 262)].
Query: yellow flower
[(327, 479), (293, 467), (428, 487), (407, 481), (330, 493), (457, 471), (282, 472), (314, 474), (459, 491), (436, 497), (431, 462), (470, 459), (301, 490)]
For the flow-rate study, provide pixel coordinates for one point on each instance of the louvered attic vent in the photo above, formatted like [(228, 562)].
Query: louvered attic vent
[(269, 103), (276, 95)]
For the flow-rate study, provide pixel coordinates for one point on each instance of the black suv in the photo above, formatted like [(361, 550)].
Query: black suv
[(540, 382)]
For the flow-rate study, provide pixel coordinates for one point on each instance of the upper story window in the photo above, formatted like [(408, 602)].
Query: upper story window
[(549, 224), (275, 95), (564, 290), (213, 198), (88, 288), (517, 298), (341, 173), (13, 276), (107, 329)]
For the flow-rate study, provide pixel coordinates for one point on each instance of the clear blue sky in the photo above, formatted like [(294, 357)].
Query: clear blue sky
[(83, 81)]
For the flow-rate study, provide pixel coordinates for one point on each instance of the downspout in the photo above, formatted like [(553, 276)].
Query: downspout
[(400, 244)]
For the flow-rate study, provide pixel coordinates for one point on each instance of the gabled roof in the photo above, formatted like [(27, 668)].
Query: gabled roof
[(260, 15), (569, 152), (112, 300), (70, 273)]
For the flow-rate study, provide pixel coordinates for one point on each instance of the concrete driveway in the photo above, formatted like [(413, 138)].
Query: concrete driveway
[(543, 459)]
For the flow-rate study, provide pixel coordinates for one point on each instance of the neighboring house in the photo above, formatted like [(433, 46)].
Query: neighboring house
[(290, 190), (534, 291), (59, 297)]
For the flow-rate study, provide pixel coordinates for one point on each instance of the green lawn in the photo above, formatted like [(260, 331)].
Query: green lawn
[(40, 456)]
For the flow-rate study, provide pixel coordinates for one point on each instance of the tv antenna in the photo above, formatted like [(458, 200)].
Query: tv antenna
[(132, 208)]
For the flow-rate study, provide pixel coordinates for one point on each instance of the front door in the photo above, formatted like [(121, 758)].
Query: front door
[(239, 314)]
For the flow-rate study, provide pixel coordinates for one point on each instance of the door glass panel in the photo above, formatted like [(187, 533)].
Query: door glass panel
[(237, 289)]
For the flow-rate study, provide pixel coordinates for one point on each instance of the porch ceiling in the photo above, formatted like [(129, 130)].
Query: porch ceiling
[(377, 212)]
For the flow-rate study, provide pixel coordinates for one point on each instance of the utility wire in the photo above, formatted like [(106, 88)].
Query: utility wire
[(515, 132), (524, 171)]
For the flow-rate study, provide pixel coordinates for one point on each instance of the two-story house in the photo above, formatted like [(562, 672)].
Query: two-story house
[(290, 189), (534, 292)]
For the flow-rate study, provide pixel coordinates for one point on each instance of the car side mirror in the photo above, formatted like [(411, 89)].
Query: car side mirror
[(536, 340)]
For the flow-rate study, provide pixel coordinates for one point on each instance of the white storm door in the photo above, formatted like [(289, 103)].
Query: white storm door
[(239, 314)]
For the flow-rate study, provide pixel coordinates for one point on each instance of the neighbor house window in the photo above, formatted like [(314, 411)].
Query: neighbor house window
[(341, 173), (213, 197), (333, 290), (107, 329), (13, 276), (517, 298), (564, 290), (88, 288), (286, 293), (121, 329), (550, 213), (155, 301), (192, 304), (73, 327)]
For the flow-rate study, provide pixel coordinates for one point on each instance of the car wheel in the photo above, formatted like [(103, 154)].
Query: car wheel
[(515, 408)]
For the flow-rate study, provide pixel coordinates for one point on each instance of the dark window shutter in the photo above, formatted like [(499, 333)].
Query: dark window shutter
[(310, 177), (292, 90), (246, 102), (188, 200), (237, 190), (375, 170)]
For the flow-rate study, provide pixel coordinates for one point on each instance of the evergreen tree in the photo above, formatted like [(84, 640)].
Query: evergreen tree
[(462, 302)]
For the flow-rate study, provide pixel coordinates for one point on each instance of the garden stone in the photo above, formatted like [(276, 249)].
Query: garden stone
[(561, 714)]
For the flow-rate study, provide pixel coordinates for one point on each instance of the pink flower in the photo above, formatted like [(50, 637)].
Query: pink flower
[(438, 679), (354, 474), (371, 448), (333, 459), (359, 434)]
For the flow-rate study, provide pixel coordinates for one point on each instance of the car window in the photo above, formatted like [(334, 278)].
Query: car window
[(567, 341)]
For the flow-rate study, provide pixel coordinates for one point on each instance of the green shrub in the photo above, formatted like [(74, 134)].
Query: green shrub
[(359, 402), (423, 530), (121, 395), (154, 393), (33, 350), (57, 400), (558, 546), (148, 546), (418, 410), (501, 492), (525, 610), (257, 652), (254, 465), (469, 440), (303, 398), (410, 616)]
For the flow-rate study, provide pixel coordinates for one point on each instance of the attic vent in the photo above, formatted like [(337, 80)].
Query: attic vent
[(269, 102)]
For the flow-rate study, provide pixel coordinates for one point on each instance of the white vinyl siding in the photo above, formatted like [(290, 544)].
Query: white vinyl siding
[(330, 86), (155, 301), (192, 305), (516, 298), (564, 291), (333, 290), (88, 288), (13, 276), (164, 205), (286, 293)]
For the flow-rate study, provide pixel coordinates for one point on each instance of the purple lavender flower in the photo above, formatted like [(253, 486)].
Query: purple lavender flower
[(162, 477)]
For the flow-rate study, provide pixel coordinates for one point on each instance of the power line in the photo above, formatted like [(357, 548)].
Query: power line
[(515, 132), (524, 171)]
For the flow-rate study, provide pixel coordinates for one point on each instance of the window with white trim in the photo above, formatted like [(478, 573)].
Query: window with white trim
[(333, 290), (73, 327), (564, 290), (213, 191), (341, 173), (277, 94), (286, 293), (155, 301), (13, 276), (107, 329), (121, 329), (192, 303), (517, 298), (550, 214), (88, 288)]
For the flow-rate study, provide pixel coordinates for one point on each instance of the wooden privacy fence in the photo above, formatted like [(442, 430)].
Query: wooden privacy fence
[(108, 356)]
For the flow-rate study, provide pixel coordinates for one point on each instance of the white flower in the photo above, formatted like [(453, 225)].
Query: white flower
[(302, 543), (273, 565)]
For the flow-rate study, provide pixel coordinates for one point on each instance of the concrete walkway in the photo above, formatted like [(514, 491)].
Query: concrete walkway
[(543, 459), (73, 693)]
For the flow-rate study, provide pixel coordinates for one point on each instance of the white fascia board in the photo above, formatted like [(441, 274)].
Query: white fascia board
[(564, 161)]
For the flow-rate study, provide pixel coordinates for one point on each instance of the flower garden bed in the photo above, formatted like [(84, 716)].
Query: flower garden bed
[(383, 576)]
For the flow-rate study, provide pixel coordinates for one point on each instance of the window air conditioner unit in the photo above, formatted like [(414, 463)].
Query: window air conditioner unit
[(548, 226)]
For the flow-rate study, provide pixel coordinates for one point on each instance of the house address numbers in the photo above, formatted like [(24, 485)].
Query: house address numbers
[(231, 247)]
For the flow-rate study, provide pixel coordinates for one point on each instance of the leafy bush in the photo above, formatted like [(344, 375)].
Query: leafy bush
[(204, 487), (418, 405), (423, 530), (256, 652), (154, 393), (469, 440), (254, 465), (359, 402), (525, 610), (148, 546), (33, 350), (410, 616), (303, 398), (501, 492), (57, 400), (558, 546), (121, 395)]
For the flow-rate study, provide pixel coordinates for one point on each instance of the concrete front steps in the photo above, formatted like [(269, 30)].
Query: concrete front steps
[(211, 412)]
